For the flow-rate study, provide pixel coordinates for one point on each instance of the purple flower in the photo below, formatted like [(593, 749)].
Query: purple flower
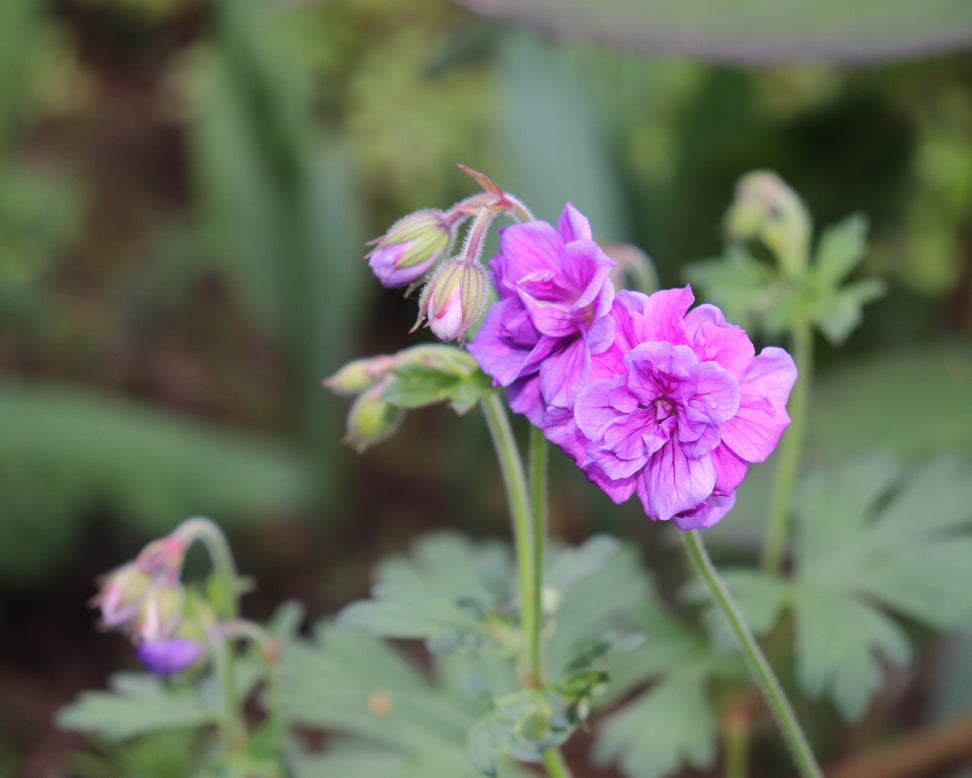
[(167, 657), (552, 315), (676, 409)]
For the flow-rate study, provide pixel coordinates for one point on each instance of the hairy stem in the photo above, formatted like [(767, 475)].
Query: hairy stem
[(553, 760), (760, 668), (518, 497), (786, 473), (538, 493)]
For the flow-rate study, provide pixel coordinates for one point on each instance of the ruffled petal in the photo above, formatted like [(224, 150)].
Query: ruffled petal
[(672, 483), (756, 429), (708, 513)]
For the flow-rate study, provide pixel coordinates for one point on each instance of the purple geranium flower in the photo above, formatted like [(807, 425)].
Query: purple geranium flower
[(167, 657), (552, 315), (676, 409)]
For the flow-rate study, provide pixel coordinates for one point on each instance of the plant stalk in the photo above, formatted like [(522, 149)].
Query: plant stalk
[(760, 668), (518, 497), (538, 493), (774, 547)]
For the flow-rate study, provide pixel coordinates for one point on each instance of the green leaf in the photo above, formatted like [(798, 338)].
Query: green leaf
[(838, 313), (837, 638), (840, 250), (440, 593), (871, 531), (671, 725), (751, 30), (418, 385), (139, 704)]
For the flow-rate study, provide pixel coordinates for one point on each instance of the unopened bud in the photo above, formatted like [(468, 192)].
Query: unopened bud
[(766, 209), (360, 374), (161, 613), (371, 420), (162, 558), (120, 598), (410, 248), (445, 359), (455, 299)]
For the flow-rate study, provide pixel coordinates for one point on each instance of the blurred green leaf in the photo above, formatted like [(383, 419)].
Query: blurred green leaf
[(417, 385), (840, 250), (139, 704), (754, 30), (671, 725), (20, 23), (438, 594), (151, 466), (869, 532)]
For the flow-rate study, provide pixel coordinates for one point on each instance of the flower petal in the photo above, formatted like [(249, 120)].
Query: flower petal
[(672, 483)]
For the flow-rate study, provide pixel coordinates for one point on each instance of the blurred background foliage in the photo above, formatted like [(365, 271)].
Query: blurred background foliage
[(185, 190)]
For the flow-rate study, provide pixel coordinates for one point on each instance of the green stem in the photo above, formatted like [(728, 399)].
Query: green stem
[(760, 668), (211, 536), (736, 741), (553, 760), (231, 726), (786, 473), (519, 501), (538, 492), (269, 650)]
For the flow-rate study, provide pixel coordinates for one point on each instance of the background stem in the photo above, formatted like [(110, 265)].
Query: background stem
[(786, 473), (553, 760), (760, 668)]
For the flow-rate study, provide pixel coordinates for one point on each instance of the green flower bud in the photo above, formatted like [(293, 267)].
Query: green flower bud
[(371, 420)]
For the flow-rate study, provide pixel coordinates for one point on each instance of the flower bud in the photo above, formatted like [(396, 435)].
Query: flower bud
[(161, 613), (162, 558), (358, 375), (120, 598), (766, 209), (371, 420), (167, 657), (454, 299), (410, 248)]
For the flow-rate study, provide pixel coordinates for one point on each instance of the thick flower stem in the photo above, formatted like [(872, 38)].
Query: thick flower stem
[(518, 496), (553, 760), (760, 668), (786, 473), (538, 493)]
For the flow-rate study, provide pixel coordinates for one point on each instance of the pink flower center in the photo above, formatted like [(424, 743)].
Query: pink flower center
[(664, 409)]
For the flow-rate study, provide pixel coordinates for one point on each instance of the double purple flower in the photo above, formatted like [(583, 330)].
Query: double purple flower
[(647, 397)]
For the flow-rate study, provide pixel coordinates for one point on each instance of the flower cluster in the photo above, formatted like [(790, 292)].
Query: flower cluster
[(146, 599), (647, 397)]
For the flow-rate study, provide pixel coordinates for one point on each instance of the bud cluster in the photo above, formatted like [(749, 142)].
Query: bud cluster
[(418, 248), (146, 599)]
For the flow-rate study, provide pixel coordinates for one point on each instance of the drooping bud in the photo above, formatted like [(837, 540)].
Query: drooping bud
[(411, 247), (455, 298), (766, 209), (161, 613), (162, 558), (360, 374), (170, 656), (371, 420), (120, 598)]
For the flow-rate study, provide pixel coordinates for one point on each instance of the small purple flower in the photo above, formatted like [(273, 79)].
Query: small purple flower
[(676, 409), (552, 315), (167, 657)]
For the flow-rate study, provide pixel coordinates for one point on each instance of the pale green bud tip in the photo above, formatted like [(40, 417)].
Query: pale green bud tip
[(371, 420), (359, 375)]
